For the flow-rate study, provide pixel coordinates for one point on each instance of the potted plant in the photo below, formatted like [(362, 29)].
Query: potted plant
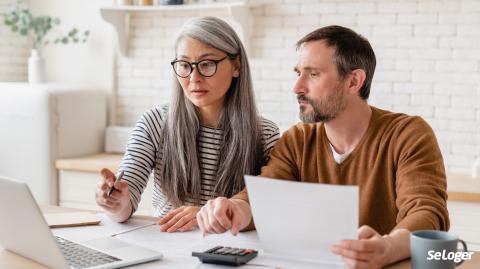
[(20, 20)]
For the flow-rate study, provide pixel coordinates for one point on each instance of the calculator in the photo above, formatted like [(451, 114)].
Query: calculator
[(226, 255)]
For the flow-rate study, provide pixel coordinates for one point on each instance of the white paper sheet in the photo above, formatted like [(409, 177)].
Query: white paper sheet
[(302, 220)]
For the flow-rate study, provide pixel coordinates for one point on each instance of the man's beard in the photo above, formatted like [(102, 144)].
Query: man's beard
[(323, 110)]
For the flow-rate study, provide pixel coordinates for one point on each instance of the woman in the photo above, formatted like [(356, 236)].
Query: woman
[(202, 144)]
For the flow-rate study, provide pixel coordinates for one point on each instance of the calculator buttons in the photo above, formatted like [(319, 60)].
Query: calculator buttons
[(226, 255), (212, 250)]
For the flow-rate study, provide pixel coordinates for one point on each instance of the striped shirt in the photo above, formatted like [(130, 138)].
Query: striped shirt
[(143, 156)]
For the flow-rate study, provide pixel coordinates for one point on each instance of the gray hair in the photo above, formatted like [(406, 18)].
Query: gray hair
[(241, 151)]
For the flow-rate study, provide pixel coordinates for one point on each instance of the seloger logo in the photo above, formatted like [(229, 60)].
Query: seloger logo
[(448, 256)]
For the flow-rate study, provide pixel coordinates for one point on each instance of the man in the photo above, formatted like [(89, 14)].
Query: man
[(393, 158)]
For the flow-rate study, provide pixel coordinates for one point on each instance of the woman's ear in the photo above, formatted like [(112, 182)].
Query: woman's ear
[(236, 67)]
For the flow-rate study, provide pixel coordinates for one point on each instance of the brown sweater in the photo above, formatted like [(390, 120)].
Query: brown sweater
[(397, 166)]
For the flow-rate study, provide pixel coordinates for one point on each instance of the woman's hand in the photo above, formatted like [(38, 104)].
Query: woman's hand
[(182, 219), (117, 205)]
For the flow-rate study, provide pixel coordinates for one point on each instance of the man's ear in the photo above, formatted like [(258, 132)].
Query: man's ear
[(356, 81), (236, 67)]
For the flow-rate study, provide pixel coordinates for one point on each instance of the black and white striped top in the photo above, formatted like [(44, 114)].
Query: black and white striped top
[(143, 156)]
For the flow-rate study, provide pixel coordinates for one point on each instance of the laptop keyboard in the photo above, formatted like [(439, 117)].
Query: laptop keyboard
[(80, 256)]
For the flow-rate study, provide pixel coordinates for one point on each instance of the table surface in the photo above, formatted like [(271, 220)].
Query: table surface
[(13, 261)]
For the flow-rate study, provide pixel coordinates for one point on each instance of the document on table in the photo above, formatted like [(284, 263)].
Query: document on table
[(302, 220), (104, 229), (61, 220)]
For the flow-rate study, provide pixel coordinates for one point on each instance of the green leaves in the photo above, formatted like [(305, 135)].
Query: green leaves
[(20, 19), (73, 32), (75, 36)]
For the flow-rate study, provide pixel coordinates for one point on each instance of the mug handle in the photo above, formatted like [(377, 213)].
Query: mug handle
[(464, 250)]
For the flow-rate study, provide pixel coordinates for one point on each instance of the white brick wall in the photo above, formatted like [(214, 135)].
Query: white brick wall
[(14, 50), (427, 51)]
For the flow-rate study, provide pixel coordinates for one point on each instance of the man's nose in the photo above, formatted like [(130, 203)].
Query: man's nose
[(299, 87)]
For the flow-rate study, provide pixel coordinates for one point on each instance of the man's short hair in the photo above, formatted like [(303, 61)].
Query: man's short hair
[(352, 51)]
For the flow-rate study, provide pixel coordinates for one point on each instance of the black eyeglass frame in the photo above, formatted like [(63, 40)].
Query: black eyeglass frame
[(191, 64)]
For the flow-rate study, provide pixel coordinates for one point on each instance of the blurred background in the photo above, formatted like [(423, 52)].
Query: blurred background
[(427, 52)]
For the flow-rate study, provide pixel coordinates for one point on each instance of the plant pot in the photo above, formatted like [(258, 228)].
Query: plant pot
[(36, 67)]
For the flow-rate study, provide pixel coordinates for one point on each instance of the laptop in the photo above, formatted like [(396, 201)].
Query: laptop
[(23, 230)]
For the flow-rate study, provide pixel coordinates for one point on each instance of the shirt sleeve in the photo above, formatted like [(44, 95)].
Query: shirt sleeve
[(140, 155), (270, 135), (421, 185)]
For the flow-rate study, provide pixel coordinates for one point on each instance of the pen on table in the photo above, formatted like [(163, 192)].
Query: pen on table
[(134, 229), (119, 177)]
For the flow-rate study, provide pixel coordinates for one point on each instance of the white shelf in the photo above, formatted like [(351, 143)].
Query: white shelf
[(186, 7), (239, 11)]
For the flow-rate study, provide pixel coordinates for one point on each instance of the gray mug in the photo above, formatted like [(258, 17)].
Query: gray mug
[(436, 250)]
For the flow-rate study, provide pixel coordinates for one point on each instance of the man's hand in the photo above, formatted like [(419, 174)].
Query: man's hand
[(117, 205), (182, 219), (373, 251), (221, 214), (370, 251)]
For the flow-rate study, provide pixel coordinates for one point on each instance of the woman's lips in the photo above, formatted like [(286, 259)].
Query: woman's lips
[(198, 92)]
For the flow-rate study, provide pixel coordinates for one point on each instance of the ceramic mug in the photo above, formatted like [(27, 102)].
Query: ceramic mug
[(431, 249)]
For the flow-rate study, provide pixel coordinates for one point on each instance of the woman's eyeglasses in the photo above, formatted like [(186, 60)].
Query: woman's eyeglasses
[(206, 68)]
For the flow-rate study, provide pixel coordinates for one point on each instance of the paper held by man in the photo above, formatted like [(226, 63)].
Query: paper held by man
[(302, 220)]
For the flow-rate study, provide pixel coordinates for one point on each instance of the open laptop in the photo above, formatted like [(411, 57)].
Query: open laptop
[(23, 230)]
